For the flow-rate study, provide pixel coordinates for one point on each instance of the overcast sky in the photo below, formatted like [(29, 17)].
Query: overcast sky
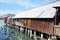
[(15, 6)]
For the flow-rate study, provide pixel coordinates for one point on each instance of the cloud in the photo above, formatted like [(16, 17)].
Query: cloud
[(7, 1), (27, 3)]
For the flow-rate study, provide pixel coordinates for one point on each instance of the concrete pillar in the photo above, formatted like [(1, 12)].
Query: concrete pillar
[(30, 33), (41, 36), (21, 29), (35, 35)]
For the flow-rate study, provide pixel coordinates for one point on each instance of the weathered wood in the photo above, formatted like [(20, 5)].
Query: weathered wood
[(44, 26)]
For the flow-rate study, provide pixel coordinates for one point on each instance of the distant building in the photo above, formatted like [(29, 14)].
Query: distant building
[(7, 18)]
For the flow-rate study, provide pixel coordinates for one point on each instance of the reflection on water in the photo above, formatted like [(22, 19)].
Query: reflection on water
[(7, 33)]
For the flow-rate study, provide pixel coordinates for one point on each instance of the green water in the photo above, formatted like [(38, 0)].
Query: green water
[(7, 33)]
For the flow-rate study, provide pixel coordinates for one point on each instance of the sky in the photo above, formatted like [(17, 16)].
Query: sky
[(16, 6)]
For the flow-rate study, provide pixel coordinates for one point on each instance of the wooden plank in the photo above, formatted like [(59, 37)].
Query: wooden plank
[(50, 28), (38, 25), (29, 23)]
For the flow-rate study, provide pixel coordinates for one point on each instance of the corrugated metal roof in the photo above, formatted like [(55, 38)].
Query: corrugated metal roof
[(46, 11)]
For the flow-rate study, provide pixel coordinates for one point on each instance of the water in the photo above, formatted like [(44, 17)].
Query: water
[(7, 33)]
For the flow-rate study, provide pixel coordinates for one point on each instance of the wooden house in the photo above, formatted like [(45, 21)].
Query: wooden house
[(41, 19)]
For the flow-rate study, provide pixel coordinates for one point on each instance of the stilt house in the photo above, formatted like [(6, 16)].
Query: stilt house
[(42, 18)]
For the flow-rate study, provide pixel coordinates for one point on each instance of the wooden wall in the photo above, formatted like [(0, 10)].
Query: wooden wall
[(5, 19), (41, 25)]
